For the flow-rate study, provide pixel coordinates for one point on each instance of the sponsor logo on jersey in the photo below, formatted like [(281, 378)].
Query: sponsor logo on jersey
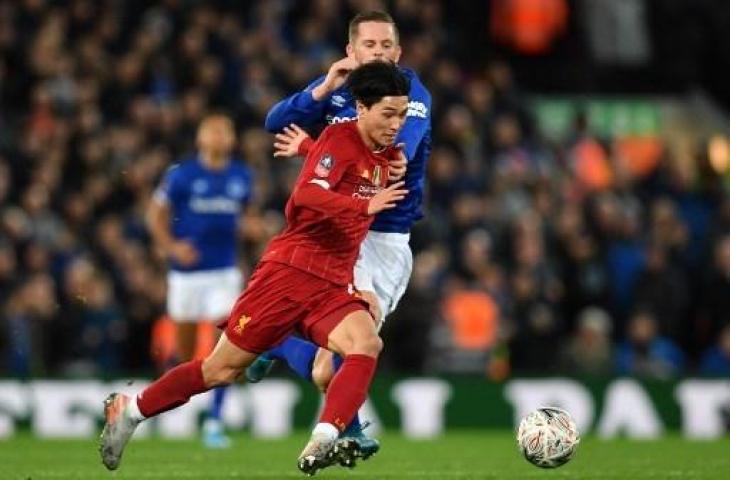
[(214, 205), (324, 166), (338, 100), (417, 109), (242, 321), (335, 119), (365, 191)]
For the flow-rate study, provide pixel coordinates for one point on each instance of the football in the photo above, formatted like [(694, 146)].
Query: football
[(548, 437)]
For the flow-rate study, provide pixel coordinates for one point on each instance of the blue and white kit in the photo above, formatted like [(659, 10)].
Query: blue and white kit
[(205, 207)]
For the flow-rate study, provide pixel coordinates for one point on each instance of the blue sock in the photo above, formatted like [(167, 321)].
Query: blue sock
[(216, 407), (354, 427), (297, 353)]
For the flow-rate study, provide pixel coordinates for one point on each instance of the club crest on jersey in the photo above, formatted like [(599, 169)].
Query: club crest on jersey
[(242, 321), (324, 166)]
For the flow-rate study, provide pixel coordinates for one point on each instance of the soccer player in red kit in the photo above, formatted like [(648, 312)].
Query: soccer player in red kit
[(304, 279)]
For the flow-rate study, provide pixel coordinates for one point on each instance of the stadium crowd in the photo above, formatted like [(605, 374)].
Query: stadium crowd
[(534, 255)]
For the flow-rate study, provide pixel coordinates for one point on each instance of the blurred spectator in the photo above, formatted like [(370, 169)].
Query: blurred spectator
[(537, 328), (716, 360), (29, 314), (715, 302), (662, 289), (585, 276), (645, 352), (589, 351)]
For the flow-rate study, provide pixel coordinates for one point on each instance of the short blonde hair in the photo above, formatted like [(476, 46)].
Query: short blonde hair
[(372, 16)]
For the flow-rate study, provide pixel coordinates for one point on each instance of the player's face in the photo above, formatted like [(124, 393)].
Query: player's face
[(374, 41), (216, 136), (383, 120)]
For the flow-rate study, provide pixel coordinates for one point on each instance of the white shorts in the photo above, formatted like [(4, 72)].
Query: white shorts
[(207, 295), (384, 268)]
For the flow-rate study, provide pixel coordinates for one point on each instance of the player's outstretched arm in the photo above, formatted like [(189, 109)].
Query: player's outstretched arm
[(300, 108), (291, 142), (387, 198), (308, 106), (336, 76), (316, 194)]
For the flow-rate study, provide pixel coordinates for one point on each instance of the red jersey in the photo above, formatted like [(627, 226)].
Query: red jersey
[(326, 214)]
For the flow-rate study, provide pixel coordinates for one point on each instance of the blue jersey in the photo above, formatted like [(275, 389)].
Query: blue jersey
[(205, 206), (303, 110)]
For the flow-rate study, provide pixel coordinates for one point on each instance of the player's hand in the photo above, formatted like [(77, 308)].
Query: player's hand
[(397, 166), (387, 198), (184, 253), (335, 78), (287, 143)]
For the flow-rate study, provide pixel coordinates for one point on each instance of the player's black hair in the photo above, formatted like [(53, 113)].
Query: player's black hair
[(372, 81)]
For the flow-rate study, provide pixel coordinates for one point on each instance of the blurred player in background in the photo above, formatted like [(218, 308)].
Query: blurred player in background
[(193, 220), (304, 279), (384, 265)]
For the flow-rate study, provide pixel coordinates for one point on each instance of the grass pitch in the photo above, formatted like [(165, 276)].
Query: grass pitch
[(462, 455)]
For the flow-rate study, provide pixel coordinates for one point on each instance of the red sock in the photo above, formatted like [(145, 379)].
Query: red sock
[(172, 389), (348, 390)]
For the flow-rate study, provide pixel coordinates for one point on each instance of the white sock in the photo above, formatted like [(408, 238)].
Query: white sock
[(133, 410), (326, 429)]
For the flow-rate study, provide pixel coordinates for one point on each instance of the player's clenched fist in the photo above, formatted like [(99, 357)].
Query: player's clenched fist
[(387, 198), (335, 78)]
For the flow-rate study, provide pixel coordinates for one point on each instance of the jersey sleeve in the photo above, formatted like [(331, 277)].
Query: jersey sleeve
[(305, 146), (418, 118), (299, 108), (326, 163), (170, 190)]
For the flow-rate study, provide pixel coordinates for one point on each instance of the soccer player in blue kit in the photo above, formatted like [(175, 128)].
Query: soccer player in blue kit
[(384, 265), (193, 219)]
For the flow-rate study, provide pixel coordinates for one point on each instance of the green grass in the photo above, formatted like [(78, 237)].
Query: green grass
[(459, 455)]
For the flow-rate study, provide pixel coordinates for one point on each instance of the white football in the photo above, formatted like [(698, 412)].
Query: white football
[(548, 437)]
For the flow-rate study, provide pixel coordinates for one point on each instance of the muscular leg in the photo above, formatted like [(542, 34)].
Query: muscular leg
[(187, 346), (356, 340), (176, 387), (172, 390), (324, 367)]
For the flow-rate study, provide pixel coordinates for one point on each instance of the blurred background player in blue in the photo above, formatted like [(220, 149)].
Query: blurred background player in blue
[(193, 220), (385, 262)]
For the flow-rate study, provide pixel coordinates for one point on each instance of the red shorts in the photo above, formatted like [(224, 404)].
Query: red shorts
[(280, 299)]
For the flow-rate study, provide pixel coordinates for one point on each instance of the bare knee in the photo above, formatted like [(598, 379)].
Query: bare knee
[(370, 345), (216, 373)]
